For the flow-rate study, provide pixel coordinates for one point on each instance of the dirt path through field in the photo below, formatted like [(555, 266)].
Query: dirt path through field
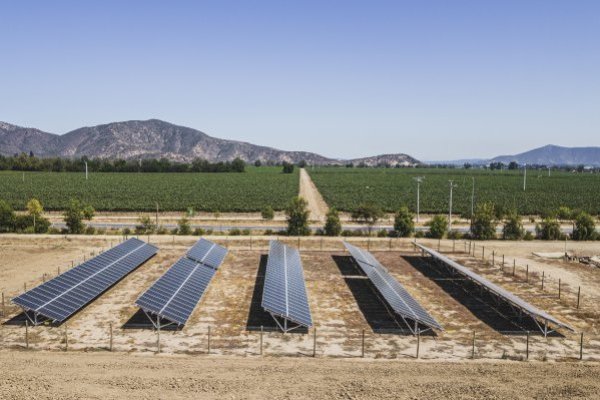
[(116, 376), (316, 205)]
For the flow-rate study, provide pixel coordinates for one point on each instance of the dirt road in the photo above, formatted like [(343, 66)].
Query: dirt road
[(316, 205), (116, 376)]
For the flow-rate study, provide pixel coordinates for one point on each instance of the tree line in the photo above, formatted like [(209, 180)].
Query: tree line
[(29, 162)]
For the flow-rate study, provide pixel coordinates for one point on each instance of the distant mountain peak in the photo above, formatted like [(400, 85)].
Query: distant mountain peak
[(552, 154), (155, 138)]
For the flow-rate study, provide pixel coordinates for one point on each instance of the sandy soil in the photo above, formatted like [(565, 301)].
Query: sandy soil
[(110, 376), (316, 205), (342, 304)]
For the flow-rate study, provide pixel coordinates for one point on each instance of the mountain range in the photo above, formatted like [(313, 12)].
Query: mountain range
[(555, 155), (157, 139)]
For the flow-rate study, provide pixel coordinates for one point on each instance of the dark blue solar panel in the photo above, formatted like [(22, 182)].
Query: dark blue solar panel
[(392, 291), (175, 294), (284, 292), (208, 253), (61, 297)]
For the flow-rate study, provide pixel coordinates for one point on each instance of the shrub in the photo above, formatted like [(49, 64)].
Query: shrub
[(297, 217), (513, 227), (235, 232), (7, 217), (585, 227), (25, 223), (484, 222), (145, 225), (404, 225), (288, 168), (455, 235), (184, 227), (528, 236), (333, 226), (438, 226), (549, 229), (367, 213), (90, 230), (267, 213), (74, 215), (198, 232)]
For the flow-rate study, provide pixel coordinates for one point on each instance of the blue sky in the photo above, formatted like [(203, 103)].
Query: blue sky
[(435, 79)]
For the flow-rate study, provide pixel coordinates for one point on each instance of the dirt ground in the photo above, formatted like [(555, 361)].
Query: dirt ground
[(342, 302), (316, 204), (106, 376)]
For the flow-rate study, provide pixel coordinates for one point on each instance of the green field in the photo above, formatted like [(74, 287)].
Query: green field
[(346, 188), (249, 191)]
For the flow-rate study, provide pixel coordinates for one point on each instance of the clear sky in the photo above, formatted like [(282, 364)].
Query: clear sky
[(438, 80)]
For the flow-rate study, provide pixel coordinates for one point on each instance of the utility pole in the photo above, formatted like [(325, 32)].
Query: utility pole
[(157, 215), (419, 179), (472, 201), (86, 170), (548, 171), (452, 186), (524, 177)]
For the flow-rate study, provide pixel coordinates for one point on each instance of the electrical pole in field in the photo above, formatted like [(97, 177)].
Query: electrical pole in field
[(86, 170), (524, 177), (419, 179), (548, 171), (157, 215), (452, 186)]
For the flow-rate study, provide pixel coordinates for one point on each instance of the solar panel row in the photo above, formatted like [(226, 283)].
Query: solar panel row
[(284, 292), (176, 293), (59, 298), (497, 290), (392, 291)]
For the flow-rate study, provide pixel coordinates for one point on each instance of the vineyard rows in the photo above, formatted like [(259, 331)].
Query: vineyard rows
[(238, 192), (346, 188)]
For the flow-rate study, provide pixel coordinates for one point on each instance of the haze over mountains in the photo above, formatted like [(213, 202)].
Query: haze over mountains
[(156, 139)]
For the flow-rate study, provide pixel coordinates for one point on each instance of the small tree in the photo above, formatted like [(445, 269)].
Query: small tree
[(484, 222), (184, 227), (513, 227), (297, 217), (585, 227), (333, 226), (7, 217), (564, 213), (146, 225), (302, 164), (404, 224), (267, 213), (438, 227), (367, 213), (549, 229), (35, 209), (288, 168), (257, 163), (74, 215)]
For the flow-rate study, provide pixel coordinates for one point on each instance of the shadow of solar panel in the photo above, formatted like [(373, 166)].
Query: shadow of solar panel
[(176, 293), (284, 292), (59, 298), (390, 289), (493, 288)]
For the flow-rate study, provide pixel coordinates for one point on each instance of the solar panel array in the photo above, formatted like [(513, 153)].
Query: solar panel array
[(61, 297), (176, 293), (284, 292), (497, 290), (392, 291)]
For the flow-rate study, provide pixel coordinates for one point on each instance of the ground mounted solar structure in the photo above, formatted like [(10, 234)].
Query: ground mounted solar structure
[(394, 294), (520, 306), (173, 297), (59, 298), (284, 292)]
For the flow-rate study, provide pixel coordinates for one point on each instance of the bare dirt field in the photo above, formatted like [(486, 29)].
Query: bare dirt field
[(345, 309), (316, 205), (44, 375)]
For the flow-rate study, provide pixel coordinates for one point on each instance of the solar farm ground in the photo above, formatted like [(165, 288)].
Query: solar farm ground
[(342, 302)]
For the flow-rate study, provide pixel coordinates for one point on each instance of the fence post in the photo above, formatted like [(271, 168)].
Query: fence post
[(261, 339), (418, 343), (369, 244), (208, 344), (24, 286), (390, 244), (494, 258), (439, 244), (527, 274), (453, 245), (4, 306), (250, 242), (559, 288), (578, 297), (581, 347), (362, 353), (57, 271), (110, 344), (158, 336), (483, 253), (473, 347), (315, 343), (543, 275), (66, 338), (321, 243), (27, 334), (527, 347), (298, 242)]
